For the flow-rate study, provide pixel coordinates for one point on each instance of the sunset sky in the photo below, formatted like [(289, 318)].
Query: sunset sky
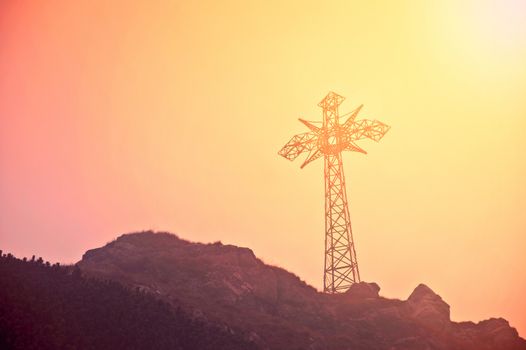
[(121, 116)]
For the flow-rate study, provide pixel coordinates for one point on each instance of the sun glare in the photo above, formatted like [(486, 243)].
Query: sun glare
[(501, 23)]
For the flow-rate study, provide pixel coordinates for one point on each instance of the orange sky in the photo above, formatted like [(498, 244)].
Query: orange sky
[(122, 116)]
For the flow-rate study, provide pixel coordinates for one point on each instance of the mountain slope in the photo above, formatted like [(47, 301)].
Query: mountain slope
[(276, 310), (54, 307)]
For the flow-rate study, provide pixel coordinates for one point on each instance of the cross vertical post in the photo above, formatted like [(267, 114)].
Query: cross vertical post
[(329, 140)]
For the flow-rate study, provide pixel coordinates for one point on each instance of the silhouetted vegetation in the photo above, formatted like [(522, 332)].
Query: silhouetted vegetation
[(44, 306)]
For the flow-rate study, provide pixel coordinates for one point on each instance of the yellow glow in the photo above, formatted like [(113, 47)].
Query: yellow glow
[(119, 116)]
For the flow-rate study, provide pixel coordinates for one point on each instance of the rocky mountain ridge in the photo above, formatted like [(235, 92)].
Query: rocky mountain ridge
[(274, 309)]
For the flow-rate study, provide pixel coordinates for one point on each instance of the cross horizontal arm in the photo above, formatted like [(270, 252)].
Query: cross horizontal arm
[(298, 144), (371, 129)]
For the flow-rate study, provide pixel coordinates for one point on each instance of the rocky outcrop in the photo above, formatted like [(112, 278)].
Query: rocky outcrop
[(429, 308), (363, 290), (231, 286)]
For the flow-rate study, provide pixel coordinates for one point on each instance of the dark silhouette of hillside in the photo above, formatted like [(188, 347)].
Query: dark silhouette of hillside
[(156, 291), (276, 310), (45, 306)]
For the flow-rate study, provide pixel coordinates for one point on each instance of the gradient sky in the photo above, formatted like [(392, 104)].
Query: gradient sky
[(120, 116)]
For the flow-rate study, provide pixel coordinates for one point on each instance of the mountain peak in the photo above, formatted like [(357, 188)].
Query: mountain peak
[(422, 292)]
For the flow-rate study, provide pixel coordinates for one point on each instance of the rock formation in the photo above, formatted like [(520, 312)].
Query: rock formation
[(276, 310)]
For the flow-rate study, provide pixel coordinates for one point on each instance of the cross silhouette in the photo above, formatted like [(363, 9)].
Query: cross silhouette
[(329, 140)]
